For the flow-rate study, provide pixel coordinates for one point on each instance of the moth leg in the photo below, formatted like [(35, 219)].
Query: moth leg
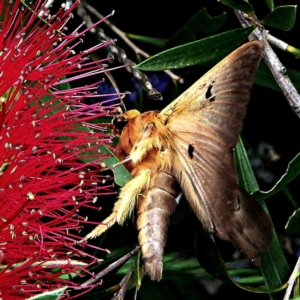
[(124, 206), (130, 192), (107, 223)]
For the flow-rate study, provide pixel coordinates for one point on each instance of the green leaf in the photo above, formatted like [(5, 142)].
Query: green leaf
[(270, 4), (210, 259), (293, 170), (55, 104), (282, 17), (273, 264), (295, 78), (246, 178), (293, 224), (149, 40), (52, 295), (5, 9), (242, 5), (121, 173), (177, 289), (198, 52), (182, 263), (265, 78), (201, 21)]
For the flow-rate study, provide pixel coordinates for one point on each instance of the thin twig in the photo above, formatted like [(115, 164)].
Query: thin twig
[(120, 54), (283, 45), (274, 41), (291, 281), (123, 285), (112, 266), (272, 61), (116, 30), (123, 36)]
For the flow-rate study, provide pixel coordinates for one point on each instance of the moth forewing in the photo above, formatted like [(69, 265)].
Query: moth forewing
[(234, 74), (188, 147), (205, 169)]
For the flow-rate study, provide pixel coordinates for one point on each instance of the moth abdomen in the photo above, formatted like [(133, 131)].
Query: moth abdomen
[(154, 208)]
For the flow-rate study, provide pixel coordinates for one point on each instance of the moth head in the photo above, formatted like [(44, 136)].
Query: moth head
[(120, 121)]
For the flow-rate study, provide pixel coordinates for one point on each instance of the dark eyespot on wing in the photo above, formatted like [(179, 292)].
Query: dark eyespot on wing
[(208, 94), (191, 151)]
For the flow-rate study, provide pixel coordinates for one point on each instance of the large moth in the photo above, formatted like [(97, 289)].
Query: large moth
[(188, 147)]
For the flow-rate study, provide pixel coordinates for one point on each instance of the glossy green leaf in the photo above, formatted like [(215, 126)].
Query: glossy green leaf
[(52, 295), (242, 5), (201, 21), (120, 172), (273, 264), (198, 52), (293, 224), (149, 40), (270, 4), (282, 17)]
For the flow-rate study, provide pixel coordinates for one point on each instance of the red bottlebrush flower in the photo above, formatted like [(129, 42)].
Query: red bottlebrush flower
[(48, 157)]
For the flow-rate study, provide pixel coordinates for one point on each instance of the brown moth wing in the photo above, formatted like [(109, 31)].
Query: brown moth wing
[(204, 123)]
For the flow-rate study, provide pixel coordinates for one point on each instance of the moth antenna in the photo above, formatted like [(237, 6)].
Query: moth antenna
[(127, 159)]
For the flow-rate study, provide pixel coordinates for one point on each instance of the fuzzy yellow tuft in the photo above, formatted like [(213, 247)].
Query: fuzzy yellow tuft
[(154, 136), (130, 193)]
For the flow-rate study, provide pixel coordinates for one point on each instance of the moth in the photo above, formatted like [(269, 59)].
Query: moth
[(188, 147)]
